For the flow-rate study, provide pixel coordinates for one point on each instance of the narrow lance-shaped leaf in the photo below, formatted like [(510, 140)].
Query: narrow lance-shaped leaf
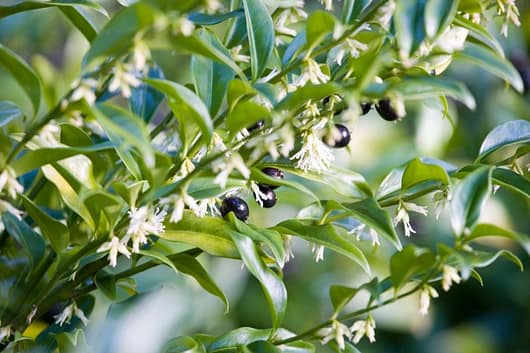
[(30, 241), (272, 285), (23, 74), (9, 112), (260, 30), (409, 262), (418, 172), (509, 133), (438, 14)]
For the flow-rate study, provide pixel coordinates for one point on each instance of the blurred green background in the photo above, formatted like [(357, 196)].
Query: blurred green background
[(467, 319)]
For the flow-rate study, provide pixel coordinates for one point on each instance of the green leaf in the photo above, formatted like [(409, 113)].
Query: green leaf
[(341, 295), (189, 265), (480, 33), (183, 344), (438, 15), (409, 262), (127, 131), (186, 106), (489, 230), (208, 20), (427, 87), (106, 283), (272, 285), (23, 74), (491, 62), (352, 10), (261, 347), (272, 239), (507, 134), (244, 114), (163, 259), (260, 30), (206, 233), (512, 181), (332, 237), (409, 23), (211, 77), (8, 112), (369, 212), (297, 347), (469, 197), (30, 241), (238, 337), (418, 172), (478, 259), (13, 7), (237, 90), (53, 230), (302, 95), (145, 100), (81, 20), (68, 194), (116, 38), (39, 157), (318, 26)]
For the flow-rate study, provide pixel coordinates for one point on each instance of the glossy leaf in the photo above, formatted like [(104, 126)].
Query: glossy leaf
[(469, 197), (332, 237), (14, 7), (159, 257), (302, 95), (30, 241), (53, 230), (106, 283), (116, 38), (408, 263), (238, 337), (204, 19), (438, 14), (23, 74), (418, 172), (260, 30), (261, 347), (370, 213), (189, 265), (245, 114), (319, 25), (81, 19), (211, 77), (186, 105), (480, 33), (9, 112), (491, 62), (491, 230), (183, 344), (426, 87), (145, 100), (352, 9), (511, 180), (409, 24), (507, 134), (341, 295), (272, 285), (206, 233)]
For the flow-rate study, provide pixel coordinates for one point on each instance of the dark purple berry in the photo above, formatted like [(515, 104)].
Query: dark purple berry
[(257, 126), (386, 111), (269, 199), (365, 107), (274, 173), (236, 205), (433, 72), (342, 139)]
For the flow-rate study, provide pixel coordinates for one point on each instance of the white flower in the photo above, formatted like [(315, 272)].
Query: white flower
[(318, 252), (85, 90), (363, 328), (288, 245), (372, 232), (328, 4), (403, 215), (509, 10), (311, 72), (206, 206), (180, 201), (114, 246), (385, 13), (426, 293), (9, 183), (352, 46), (314, 155), (452, 39), (440, 198), (66, 315), (223, 170), (258, 194), (287, 17), (49, 135), (31, 315), (337, 331), (123, 80), (213, 5), (5, 332), (143, 222), (183, 26), (450, 275), (141, 53), (235, 53)]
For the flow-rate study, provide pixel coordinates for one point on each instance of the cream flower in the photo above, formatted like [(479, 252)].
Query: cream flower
[(66, 315), (9, 183), (114, 246), (336, 332), (123, 80), (318, 252), (403, 215), (5, 332), (85, 90), (7, 207), (311, 72), (426, 293), (363, 328), (450, 275), (314, 155), (143, 222)]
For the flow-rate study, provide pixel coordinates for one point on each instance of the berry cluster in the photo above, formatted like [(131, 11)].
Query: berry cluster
[(383, 107)]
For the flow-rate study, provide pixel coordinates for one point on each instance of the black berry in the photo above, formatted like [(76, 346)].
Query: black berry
[(258, 125), (365, 107), (270, 197), (386, 111), (274, 173), (236, 205), (342, 139)]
